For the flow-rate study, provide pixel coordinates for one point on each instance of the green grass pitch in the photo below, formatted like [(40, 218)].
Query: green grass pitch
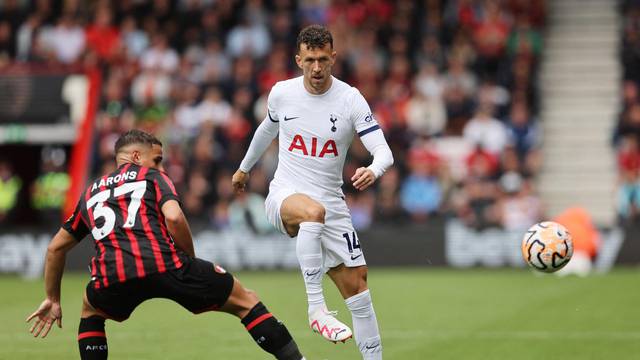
[(423, 314)]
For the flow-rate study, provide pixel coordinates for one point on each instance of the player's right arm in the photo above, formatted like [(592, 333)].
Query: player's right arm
[(50, 310), (264, 135), (178, 226)]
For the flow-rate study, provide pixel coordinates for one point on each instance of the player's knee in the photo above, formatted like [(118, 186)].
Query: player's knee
[(88, 310), (357, 282), (315, 213), (356, 288), (246, 301)]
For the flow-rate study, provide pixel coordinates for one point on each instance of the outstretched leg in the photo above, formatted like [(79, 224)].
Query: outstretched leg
[(352, 284), (269, 333)]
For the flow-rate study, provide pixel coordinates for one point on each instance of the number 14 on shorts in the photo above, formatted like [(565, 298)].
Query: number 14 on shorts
[(352, 243)]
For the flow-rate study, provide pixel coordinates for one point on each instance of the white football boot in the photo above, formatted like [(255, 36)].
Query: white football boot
[(324, 323)]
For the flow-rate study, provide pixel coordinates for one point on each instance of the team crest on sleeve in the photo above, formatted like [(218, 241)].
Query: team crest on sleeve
[(333, 120), (368, 118)]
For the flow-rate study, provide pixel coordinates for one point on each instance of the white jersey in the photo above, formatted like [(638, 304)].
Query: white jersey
[(315, 132)]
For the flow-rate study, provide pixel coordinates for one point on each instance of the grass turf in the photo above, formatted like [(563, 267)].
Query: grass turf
[(423, 314)]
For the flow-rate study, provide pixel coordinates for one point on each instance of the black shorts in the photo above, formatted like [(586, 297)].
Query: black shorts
[(198, 286)]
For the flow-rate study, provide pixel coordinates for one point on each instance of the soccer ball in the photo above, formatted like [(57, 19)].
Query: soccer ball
[(547, 246)]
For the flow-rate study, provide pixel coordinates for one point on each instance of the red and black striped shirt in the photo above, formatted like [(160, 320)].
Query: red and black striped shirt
[(122, 212)]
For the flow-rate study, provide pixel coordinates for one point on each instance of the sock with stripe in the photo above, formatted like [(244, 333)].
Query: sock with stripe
[(365, 326), (309, 252), (92, 339), (270, 334)]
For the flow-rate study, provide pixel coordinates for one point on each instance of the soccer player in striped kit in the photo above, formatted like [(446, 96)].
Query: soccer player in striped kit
[(144, 250)]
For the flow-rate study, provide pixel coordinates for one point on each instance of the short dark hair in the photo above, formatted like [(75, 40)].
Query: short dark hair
[(314, 36), (136, 136)]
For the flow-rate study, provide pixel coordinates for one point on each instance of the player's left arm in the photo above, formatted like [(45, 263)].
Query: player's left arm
[(50, 310), (382, 160), (175, 219), (178, 226), (373, 140)]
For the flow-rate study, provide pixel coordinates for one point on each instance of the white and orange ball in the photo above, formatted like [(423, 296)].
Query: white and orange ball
[(547, 246)]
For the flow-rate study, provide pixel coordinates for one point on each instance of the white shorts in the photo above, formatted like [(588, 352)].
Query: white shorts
[(340, 242)]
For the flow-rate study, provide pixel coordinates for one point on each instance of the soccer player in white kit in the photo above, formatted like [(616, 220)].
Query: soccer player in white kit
[(315, 117)]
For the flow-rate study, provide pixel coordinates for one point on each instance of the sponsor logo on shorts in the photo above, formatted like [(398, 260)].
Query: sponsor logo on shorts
[(219, 269), (355, 257)]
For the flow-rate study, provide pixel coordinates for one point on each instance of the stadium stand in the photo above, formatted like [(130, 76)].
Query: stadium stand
[(626, 136), (452, 83)]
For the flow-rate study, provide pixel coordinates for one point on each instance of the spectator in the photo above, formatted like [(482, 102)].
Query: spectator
[(420, 192), (426, 116), (387, 202), (629, 155), (517, 208), (160, 57), (365, 46), (247, 214), (151, 87), (524, 40), (10, 185), (216, 64), (361, 206), (48, 192), (482, 163), (249, 37), (67, 40), (6, 43), (25, 37), (490, 36), (102, 37), (486, 131), (187, 113), (629, 123), (523, 133), (431, 52), (428, 82), (135, 40), (474, 203), (214, 108), (458, 76), (628, 196)]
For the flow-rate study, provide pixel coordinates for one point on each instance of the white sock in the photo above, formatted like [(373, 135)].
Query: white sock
[(365, 326), (309, 251)]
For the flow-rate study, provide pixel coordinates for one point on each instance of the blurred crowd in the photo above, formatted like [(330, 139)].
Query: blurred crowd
[(452, 83), (626, 137)]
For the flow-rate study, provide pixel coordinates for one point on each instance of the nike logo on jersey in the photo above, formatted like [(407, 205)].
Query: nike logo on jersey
[(290, 118), (309, 274), (355, 257)]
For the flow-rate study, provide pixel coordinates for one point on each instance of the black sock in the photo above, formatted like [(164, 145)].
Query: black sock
[(92, 340), (270, 334)]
